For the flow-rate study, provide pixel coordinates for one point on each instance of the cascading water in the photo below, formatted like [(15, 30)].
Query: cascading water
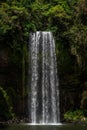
[(44, 92)]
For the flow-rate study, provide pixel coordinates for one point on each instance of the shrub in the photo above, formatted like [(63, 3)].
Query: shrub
[(77, 115)]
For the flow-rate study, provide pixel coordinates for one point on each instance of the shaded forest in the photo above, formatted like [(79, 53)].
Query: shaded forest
[(67, 19)]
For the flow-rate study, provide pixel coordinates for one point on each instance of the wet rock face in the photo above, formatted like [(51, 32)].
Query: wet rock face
[(4, 63), (4, 59), (84, 97), (10, 77)]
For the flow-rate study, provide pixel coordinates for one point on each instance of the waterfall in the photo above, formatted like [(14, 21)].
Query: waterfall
[(43, 81)]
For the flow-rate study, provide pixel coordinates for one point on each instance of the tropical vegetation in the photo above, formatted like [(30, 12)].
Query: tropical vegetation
[(67, 19)]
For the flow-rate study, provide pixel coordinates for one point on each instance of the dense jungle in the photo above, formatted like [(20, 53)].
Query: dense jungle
[(67, 20)]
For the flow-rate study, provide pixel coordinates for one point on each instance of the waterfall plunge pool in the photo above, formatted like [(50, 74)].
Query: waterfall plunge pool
[(46, 127)]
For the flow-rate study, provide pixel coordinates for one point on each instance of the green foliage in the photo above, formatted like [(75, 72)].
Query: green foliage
[(5, 105), (14, 29), (77, 115), (77, 33), (12, 17), (57, 11)]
